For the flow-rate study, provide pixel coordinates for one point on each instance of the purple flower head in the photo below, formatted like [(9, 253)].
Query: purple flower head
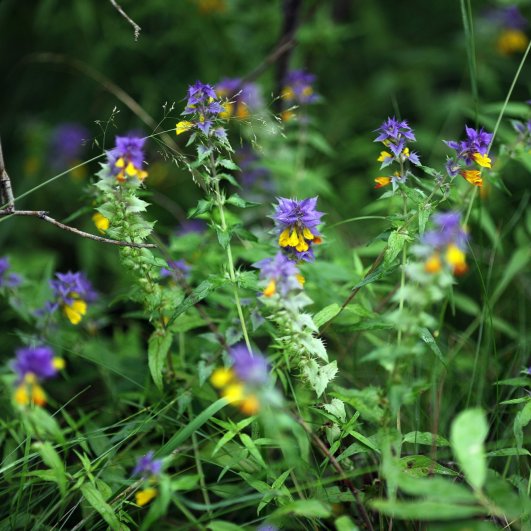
[(395, 131), (38, 361), (69, 287), (448, 231), (196, 226), (176, 269), (147, 465), (267, 527), (127, 158), (250, 369), (243, 97), (297, 223), (66, 144), (205, 107), (508, 17), (280, 273), (8, 280), (298, 88), (477, 142)]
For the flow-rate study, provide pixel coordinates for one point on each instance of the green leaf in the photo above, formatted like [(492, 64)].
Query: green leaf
[(222, 525), (194, 425), (57, 467), (158, 346), (202, 206), (521, 420), (159, 506), (422, 466), (228, 164), (253, 450), (326, 314), (395, 244), (504, 452), (426, 336), (425, 437), (435, 488), (518, 262), (185, 482), (344, 523), (307, 508), (425, 510), (97, 501), (337, 408), (467, 435), (197, 295), (240, 202)]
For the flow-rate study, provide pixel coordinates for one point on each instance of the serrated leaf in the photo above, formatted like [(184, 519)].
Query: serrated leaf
[(327, 313), (337, 408), (158, 346), (228, 164), (315, 346), (240, 202), (202, 206), (197, 295), (395, 244), (467, 435)]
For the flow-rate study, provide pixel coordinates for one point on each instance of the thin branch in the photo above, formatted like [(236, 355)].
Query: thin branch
[(41, 214), (6, 193), (136, 27)]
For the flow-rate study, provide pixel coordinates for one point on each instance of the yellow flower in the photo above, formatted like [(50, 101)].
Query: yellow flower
[(143, 497), (221, 377), (75, 310), (384, 155), (270, 289), (473, 177), (433, 264), (382, 181), (512, 41), (58, 363), (287, 93), (234, 392), (102, 223), (456, 259), (250, 405), (183, 126), (30, 391), (483, 160), (300, 278)]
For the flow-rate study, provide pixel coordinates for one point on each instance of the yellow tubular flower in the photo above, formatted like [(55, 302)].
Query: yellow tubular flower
[(300, 278), (473, 177), (433, 264), (227, 113), (294, 239), (221, 377), (250, 406), (287, 93), (307, 233), (21, 396), (384, 155), (183, 126), (143, 497), (58, 363), (270, 289), (75, 311), (382, 181), (234, 392), (512, 41), (38, 396), (283, 239), (483, 160), (456, 259), (102, 223)]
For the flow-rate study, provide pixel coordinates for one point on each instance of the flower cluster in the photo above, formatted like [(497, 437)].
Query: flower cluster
[(473, 150), (298, 91), (149, 469), (394, 135), (280, 275), (8, 280), (204, 108), (446, 244), (511, 24), (71, 292), (32, 366), (126, 160), (296, 222), (242, 98), (243, 383), (176, 269)]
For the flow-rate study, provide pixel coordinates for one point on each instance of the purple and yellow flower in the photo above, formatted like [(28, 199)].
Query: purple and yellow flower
[(177, 269), (280, 275), (8, 280), (510, 24), (297, 223), (204, 108), (242, 383), (446, 244), (66, 146), (126, 160), (241, 98), (149, 469), (72, 292), (32, 366), (298, 90)]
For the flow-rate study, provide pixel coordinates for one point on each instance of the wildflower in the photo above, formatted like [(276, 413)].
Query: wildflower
[(144, 496), (510, 24), (241, 97), (297, 224), (382, 181), (102, 223), (473, 177), (446, 243), (204, 107), (72, 292), (66, 144), (149, 469), (34, 365), (524, 132), (8, 280), (127, 158), (280, 275), (243, 382), (252, 173), (298, 91), (176, 269)]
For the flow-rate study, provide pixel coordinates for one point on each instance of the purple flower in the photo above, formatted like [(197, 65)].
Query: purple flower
[(205, 107), (251, 171), (72, 286), (36, 361), (176, 269), (242, 97), (280, 273), (297, 223), (448, 231), (8, 280), (507, 17), (298, 88), (147, 465), (476, 143), (267, 527), (250, 369), (127, 158), (66, 144), (395, 131), (196, 226)]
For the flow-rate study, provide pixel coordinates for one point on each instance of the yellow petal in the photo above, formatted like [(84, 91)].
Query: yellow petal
[(120, 163), (283, 239), (483, 160), (307, 233), (58, 363), (384, 155), (221, 377), (300, 278), (102, 223), (456, 258), (234, 392), (433, 264), (250, 405), (131, 170), (294, 238), (38, 396), (227, 113), (287, 93), (270, 289), (473, 177), (21, 395), (183, 126), (141, 175), (382, 181), (302, 246), (512, 41), (143, 497), (75, 311)]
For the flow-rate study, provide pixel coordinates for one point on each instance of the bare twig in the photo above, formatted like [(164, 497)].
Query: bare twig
[(136, 27), (6, 193), (317, 441), (41, 214)]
